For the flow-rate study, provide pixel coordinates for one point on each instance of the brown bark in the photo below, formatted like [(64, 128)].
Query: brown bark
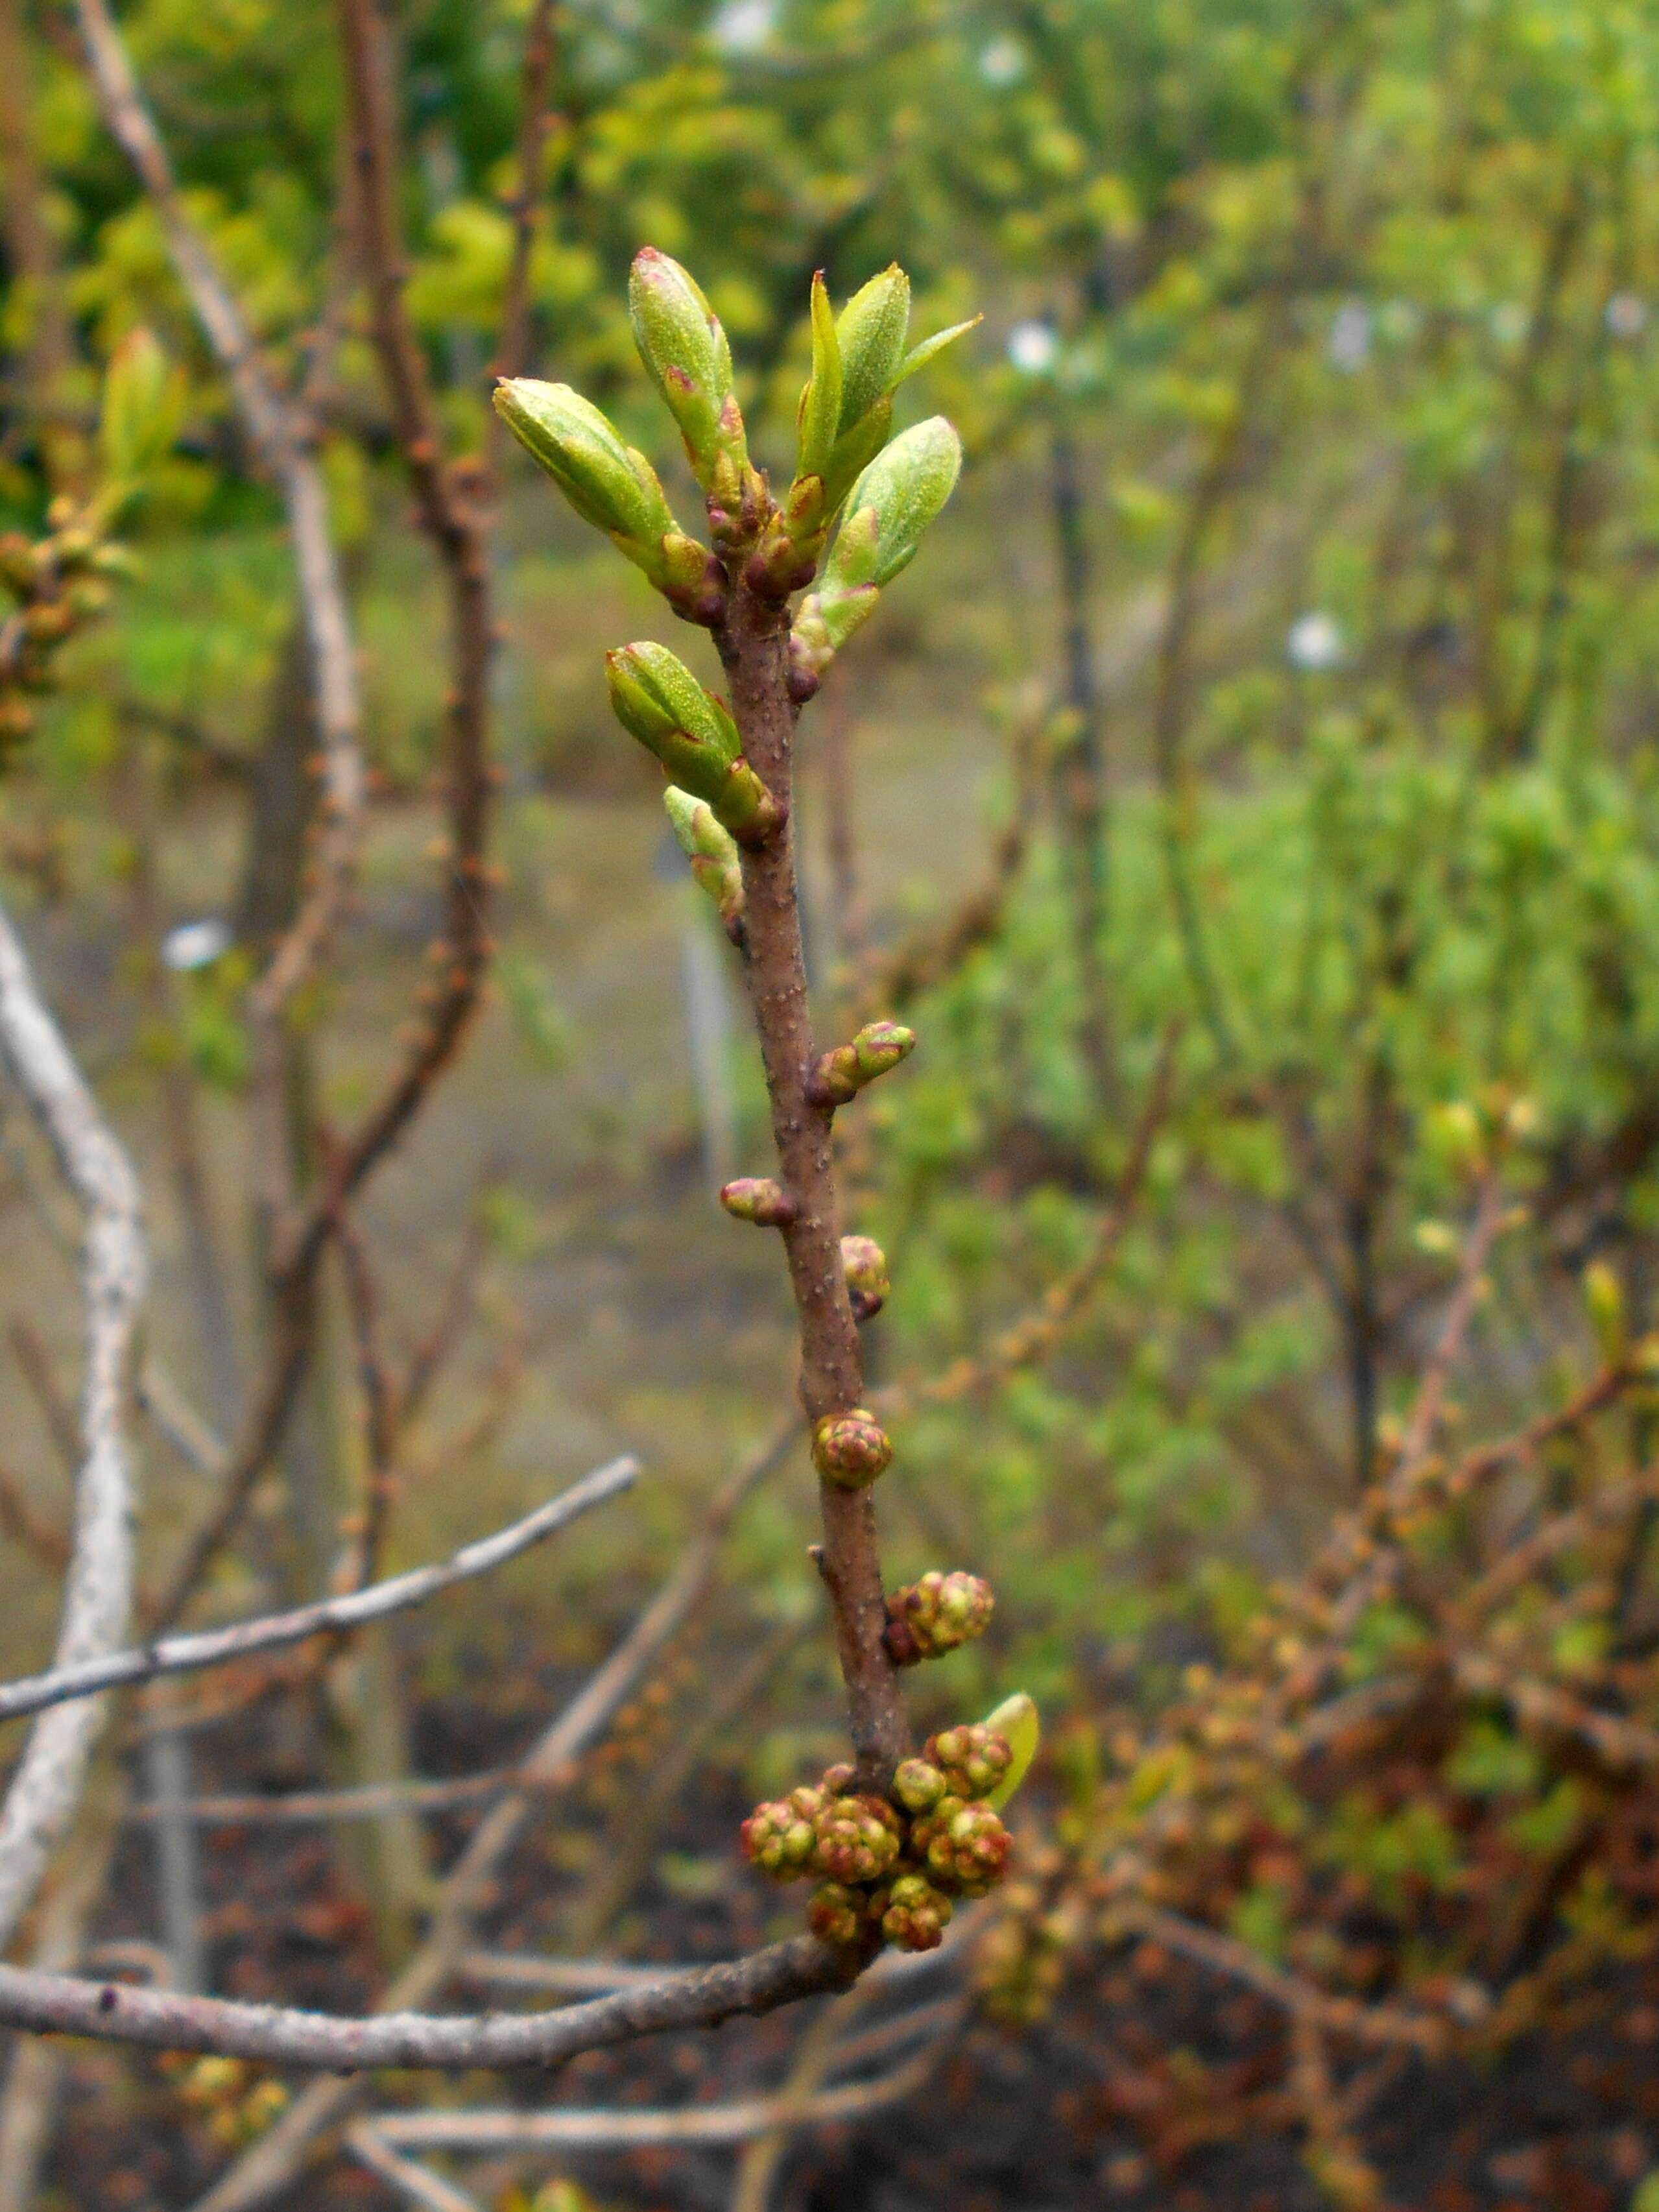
[(754, 650)]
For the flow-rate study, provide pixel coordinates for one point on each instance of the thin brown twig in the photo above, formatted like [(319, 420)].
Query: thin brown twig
[(753, 646), (535, 118)]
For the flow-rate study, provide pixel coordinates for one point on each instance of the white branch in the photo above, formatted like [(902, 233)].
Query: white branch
[(275, 1632), (98, 1592)]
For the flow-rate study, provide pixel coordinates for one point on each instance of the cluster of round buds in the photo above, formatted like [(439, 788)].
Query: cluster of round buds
[(917, 1914), (857, 1839), (927, 1619), (851, 1449), (963, 1846), (972, 1759), (838, 1915), (780, 1838), (866, 1267), (59, 585)]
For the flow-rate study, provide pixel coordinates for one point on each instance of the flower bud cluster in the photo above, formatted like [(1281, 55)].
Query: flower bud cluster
[(58, 583), (927, 1619), (851, 1450), (886, 1872)]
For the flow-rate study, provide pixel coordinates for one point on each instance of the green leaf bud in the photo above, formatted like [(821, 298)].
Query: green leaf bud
[(712, 850), (606, 482), (851, 1449), (759, 1199), (685, 351), (871, 331), (841, 1074), (901, 492), (657, 699)]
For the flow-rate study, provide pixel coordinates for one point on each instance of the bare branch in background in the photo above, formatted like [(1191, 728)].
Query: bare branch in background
[(62, 2004), (217, 1647), (278, 437), (271, 2164), (47, 1781)]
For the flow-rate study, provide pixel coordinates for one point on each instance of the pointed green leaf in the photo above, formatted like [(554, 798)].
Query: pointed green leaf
[(871, 329), (1015, 1720), (920, 355), (821, 402)]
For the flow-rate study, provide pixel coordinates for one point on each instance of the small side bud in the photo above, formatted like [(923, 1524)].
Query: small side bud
[(865, 1264), (936, 1615), (851, 1449), (712, 850), (686, 353), (841, 1074), (759, 1199)]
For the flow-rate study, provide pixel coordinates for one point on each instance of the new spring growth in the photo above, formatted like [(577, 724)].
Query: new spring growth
[(865, 1264), (614, 488), (841, 1074), (59, 581), (658, 700), (143, 404), (851, 1449), (902, 490), (759, 1199), (713, 853), (940, 1612), (687, 356), (846, 414)]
